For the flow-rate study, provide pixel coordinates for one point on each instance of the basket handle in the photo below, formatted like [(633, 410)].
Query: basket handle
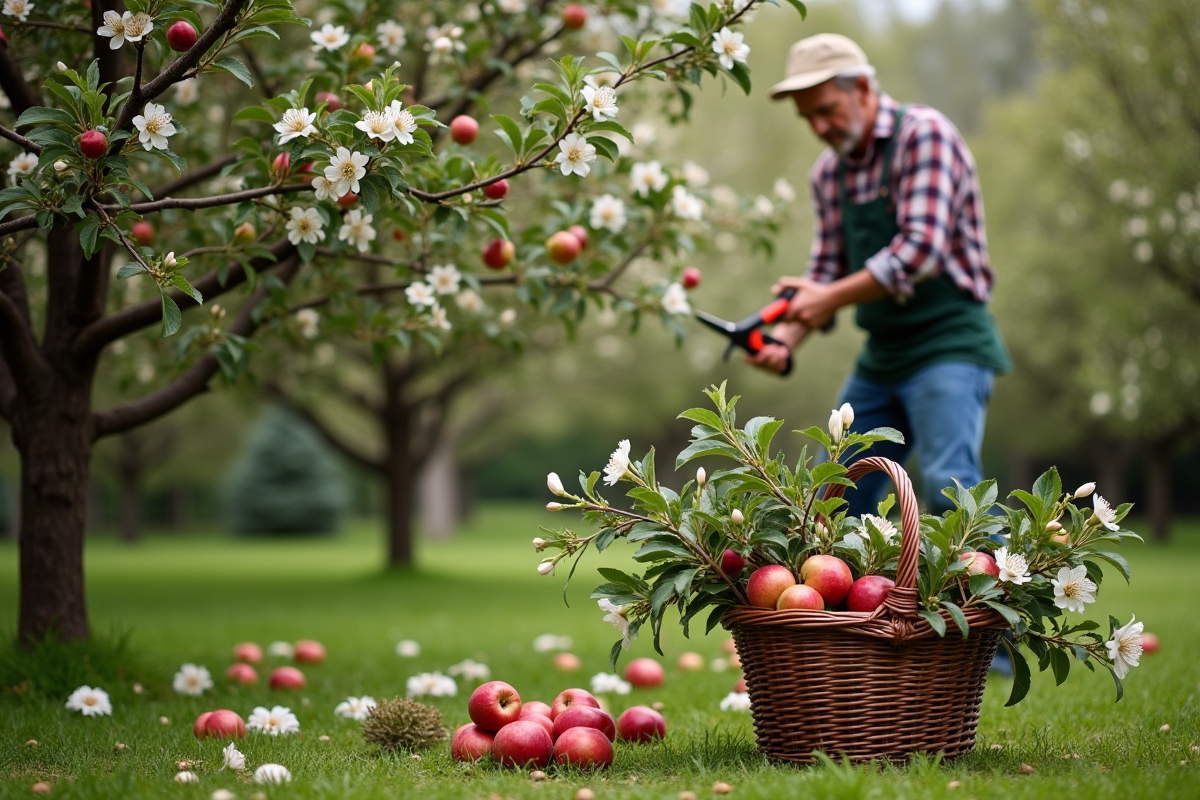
[(902, 599)]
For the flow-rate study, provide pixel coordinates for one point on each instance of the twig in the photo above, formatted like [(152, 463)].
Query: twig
[(20, 140)]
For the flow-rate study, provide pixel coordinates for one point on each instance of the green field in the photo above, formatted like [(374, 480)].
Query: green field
[(191, 598)]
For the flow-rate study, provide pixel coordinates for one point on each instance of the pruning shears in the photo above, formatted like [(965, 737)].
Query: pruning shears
[(748, 334)]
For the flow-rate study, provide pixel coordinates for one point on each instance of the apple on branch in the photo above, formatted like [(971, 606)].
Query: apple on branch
[(464, 129)]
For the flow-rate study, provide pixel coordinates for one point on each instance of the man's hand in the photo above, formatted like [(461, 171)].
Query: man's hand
[(774, 357), (814, 304)]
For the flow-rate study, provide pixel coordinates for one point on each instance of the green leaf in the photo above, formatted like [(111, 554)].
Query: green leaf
[(41, 115), (235, 68), (959, 618), (129, 270), (255, 114), (703, 416), (512, 132), (935, 620), (1048, 487), (1117, 561), (796, 4), (172, 318), (182, 284), (1021, 674), (1060, 663), (1010, 614), (649, 499), (605, 147), (741, 75)]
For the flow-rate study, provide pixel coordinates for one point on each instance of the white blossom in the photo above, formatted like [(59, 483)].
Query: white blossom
[(276, 721), (89, 701), (471, 670), (323, 189), (433, 684), (113, 27), (438, 318), (609, 683), (356, 230), (330, 37), (296, 122), (549, 641), (281, 649), (508, 316), (392, 37), (730, 47), (407, 648), (305, 225), (608, 212), (233, 758), (1085, 490), (648, 177), (136, 26), (186, 776), (675, 300), (576, 155), (187, 92), (1073, 589), (763, 206), (272, 773), (23, 164), (600, 102), (882, 525), (555, 485), (737, 517), (695, 175), (468, 300), (19, 9), (546, 567), (615, 615), (847, 412), (154, 126), (618, 464), (686, 205), (1104, 514), (1013, 567), (1125, 647), (445, 278), (191, 679), (835, 426), (420, 294), (403, 122), (379, 125), (736, 701), (355, 707), (511, 6), (444, 42), (310, 323), (784, 190), (345, 170)]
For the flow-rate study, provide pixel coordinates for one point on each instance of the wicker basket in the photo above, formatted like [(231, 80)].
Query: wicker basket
[(864, 686)]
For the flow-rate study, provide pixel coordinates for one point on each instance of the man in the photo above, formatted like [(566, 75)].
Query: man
[(899, 234)]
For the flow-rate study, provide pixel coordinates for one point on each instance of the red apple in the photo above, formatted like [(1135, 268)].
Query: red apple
[(980, 563), (471, 743), (464, 129), (583, 747), (800, 596), (499, 253), (286, 678), (567, 662), (585, 717), (309, 652), (540, 719), (580, 233), (732, 564), (574, 16), (306, 173), (282, 164), (1149, 643), (181, 36), (497, 190), (868, 593), (523, 743), (691, 278), (494, 705), (829, 575), (641, 724), (535, 707), (248, 652), (224, 724), (563, 247), (245, 233), (740, 686), (198, 728), (690, 662), (571, 697), (332, 99), (645, 673), (399, 235), (767, 583), (364, 52), (142, 232), (348, 199), (242, 673), (93, 143)]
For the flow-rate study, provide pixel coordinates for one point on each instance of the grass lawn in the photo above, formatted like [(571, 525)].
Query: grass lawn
[(191, 598)]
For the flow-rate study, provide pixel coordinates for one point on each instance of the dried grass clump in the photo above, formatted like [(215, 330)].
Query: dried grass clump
[(401, 724)]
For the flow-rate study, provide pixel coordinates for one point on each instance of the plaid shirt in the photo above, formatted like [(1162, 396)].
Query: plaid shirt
[(940, 211)]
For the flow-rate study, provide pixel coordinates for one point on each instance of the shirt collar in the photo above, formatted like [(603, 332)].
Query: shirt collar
[(885, 122)]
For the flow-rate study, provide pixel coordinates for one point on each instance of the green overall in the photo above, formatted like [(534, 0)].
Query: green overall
[(939, 322)]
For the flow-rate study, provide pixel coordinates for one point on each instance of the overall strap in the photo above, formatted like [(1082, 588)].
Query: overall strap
[(885, 179)]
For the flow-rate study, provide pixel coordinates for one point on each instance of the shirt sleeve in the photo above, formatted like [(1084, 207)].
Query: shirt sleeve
[(825, 260), (925, 193)]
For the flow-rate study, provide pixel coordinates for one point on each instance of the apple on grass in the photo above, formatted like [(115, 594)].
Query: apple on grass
[(868, 593), (829, 575), (219, 724), (585, 717), (571, 697), (286, 678), (645, 673), (740, 685), (471, 743), (242, 673), (690, 662), (464, 129), (767, 583), (248, 652), (641, 724), (309, 652), (540, 719), (198, 727), (567, 662), (523, 743), (583, 747), (800, 596), (980, 563), (1149, 643), (494, 705)]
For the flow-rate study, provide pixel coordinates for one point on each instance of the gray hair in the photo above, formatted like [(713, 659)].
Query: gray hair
[(848, 79)]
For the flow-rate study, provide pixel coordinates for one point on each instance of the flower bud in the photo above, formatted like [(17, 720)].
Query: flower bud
[(835, 426), (61, 66), (61, 166), (847, 416), (170, 261), (736, 516), (554, 484), (553, 506), (1054, 525), (546, 567), (539, 544), (701, 477), (1085, 490)]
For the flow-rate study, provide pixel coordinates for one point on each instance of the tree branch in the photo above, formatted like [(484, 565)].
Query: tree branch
[(20, 94), (20, 140), (396, 286), (192, 382), (195, 176), (195, 203), (18, 346), (26, 223)]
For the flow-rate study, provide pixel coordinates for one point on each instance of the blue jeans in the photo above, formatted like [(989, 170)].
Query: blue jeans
[(941, 411)]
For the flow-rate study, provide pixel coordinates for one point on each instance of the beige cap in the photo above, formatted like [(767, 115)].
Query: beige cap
[(817, 59)]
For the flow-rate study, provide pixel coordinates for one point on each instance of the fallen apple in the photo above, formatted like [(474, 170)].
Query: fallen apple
[(800, 596), (522, 744), (286, 678), (571, 697), (567, 662), (464, 129), (641, 724), (645, 673), (248, 652), (740, 685), (494, 705), (309, 652), (198, 727), (690, 662), (868, 593), (242, 673), (583, 747), (540, 719), (585, 717), (471, 743), (224, 724), (829, 575), (767, 583)]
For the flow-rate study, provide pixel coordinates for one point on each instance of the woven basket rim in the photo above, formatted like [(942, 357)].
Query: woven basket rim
[(877, 624)]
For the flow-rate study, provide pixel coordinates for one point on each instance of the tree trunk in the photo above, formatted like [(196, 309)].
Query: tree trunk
[(130, 466), (439, 500), (1158, 457), (399, 471), (1111, 462)]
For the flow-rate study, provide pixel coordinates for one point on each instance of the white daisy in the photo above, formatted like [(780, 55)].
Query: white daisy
[(618, 463), (192, 679), (282, 649), (277, 721), (403, 122), (136, 25), (736, 701), (439, 319), (154, 126), (469, 301), (392, 37), (22, 165), (309, 321), (272, 773), (695, 175), (675, 300), (407, 648), (345, 170), (445, 278), (1073, 589), (305, 225), (89, 701), (355, 707), (113, 27), (1013, 567), (234, 758), (323, 189), (648, 177), (549, 641), (296, 122), (1104, 514), (186, 776), (1125, 647), (882, 525), (608, 212), (609, 683), (357, 231), (600, 102), (433, 684), (471, 670), (763, 206), (616, 616), (421, 295), (730, 48), (18, 8), (444, 42), (686, 205), (379, 125), (330, 37), (575, 155)]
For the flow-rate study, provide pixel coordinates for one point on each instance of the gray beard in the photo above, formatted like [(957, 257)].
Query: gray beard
[(853, 139)]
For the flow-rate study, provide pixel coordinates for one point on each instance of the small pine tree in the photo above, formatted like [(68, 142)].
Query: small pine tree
[(285, 481)]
